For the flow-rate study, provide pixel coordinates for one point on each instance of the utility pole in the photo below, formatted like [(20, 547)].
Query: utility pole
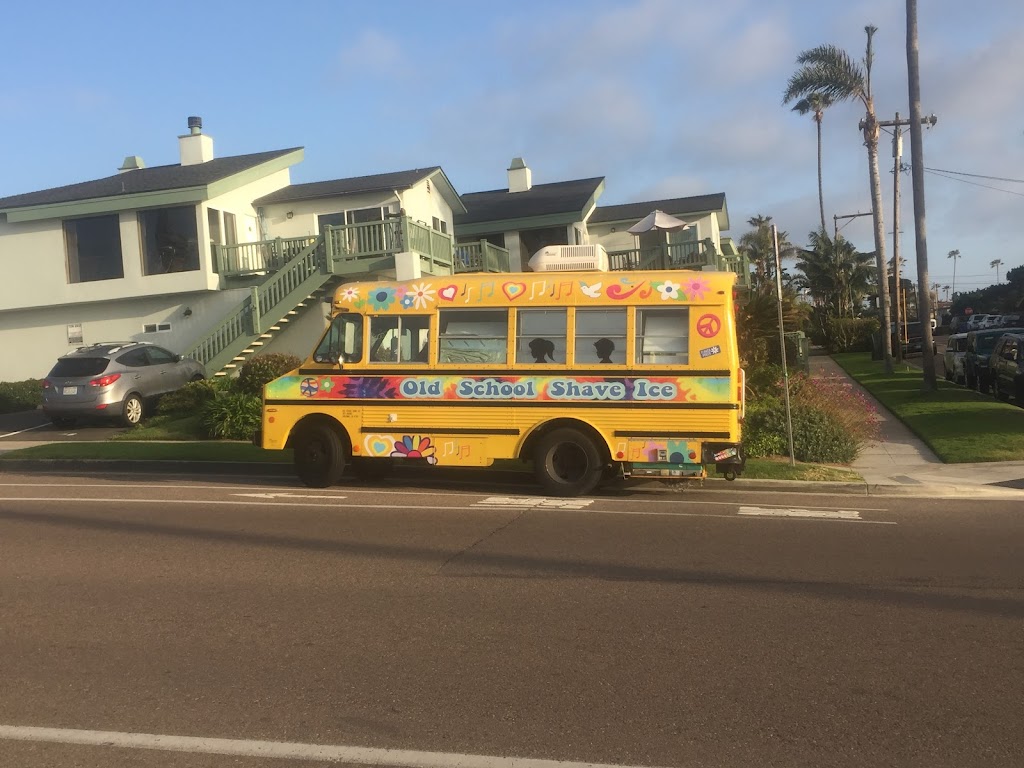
[(835, 221), (917, 120), (897, 153)]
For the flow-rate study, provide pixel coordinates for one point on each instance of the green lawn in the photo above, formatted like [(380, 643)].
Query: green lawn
[(958, 424), (780, 469)]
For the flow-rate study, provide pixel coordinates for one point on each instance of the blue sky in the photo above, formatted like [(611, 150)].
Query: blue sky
[(664, 98)]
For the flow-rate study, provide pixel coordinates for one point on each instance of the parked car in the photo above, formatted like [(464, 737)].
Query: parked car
[(118, 380), (992, 321), (976, 322), (977, 357), (953, 359), (1012, 321), (1007, 367), (912, 338)]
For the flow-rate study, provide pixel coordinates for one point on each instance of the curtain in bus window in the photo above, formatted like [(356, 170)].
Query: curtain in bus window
[(540, 337), (600, 337), (473, 336), (662, 336)]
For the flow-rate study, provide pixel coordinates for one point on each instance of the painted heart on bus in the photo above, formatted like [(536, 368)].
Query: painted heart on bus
[(449, 292), (513, 290), (378, 445)]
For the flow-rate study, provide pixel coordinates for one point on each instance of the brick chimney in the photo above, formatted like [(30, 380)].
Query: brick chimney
[(196, 147)]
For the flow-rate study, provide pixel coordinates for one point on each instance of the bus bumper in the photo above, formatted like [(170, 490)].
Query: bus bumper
[(729, 458)]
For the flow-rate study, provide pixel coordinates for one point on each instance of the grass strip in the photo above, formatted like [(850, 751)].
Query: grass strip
[(780, 469), (958, 424)]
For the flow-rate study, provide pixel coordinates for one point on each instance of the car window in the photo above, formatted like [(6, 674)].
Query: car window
[(159, 356), (135, 358), (72, 367)]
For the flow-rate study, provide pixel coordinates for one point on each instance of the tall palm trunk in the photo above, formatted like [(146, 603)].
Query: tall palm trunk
[(871, 140), (821, 193)]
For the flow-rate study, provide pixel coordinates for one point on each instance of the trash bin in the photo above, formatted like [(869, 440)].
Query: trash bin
[(798, 351)]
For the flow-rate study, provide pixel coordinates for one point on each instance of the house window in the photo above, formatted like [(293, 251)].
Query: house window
[(93, 249), (156, 327), (440, 225), (540, 336), (169, 240)]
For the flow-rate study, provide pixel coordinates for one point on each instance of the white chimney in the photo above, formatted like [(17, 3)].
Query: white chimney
[(131, 163), (519, 178), (195, 146)]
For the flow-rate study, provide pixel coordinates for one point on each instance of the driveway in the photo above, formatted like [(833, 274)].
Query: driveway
[(34, 427)]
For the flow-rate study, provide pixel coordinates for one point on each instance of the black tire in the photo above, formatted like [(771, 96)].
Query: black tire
[(997, 391), (319, 456), (567, 463), (132, 410), (983, 385), (970, 382), (366, 468), (62, 422)]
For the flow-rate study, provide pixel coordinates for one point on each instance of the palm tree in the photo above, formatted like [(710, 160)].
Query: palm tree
[(835, 274), (996, 263), (816, 103), (954, 255), (945, 289), (829, 71), (759, 248)]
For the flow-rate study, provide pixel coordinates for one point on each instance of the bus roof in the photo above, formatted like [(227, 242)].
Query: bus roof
[(537, 289)]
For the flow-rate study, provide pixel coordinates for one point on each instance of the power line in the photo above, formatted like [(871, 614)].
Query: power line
[(975, 175), (975, 184)]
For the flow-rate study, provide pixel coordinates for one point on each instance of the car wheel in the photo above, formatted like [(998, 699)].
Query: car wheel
[(567, 463), (62, 422), (983, 385), (998, 391), (319, 456), (131, 410), (970, 381)]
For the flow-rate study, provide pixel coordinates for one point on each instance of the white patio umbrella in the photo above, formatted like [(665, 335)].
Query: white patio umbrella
[(658, 221)]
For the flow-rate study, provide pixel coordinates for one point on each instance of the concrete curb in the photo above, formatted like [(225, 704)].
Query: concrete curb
[(504, 476)]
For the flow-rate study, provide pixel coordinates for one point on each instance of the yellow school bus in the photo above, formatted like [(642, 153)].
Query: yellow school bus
[(588, 375)]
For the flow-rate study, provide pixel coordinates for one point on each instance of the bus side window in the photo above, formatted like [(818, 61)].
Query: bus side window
[(600, 337), (415, 339), (472, 336), (540, 335), (399, 339), (663, 336)]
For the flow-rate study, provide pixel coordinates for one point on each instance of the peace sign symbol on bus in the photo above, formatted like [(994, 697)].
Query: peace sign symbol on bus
[(708, 326)]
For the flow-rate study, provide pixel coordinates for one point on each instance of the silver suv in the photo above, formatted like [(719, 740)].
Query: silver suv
[(118, 380)]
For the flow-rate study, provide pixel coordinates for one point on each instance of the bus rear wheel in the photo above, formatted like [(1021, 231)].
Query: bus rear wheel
[(567, 463), (319, 456)]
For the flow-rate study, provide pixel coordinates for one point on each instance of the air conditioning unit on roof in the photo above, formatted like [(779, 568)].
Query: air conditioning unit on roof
[(570, 258)]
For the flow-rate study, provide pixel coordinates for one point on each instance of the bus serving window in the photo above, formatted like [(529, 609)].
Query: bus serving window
[(540, 336), (472, 335), (600, 337), (343, 342), (662, 336), (399, 339)]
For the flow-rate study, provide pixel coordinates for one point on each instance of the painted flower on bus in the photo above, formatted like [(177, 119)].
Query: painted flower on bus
[(695, 288), (407, 301), (348, 293), (381, 298), (414, 447), (422, 294), (669, 290)]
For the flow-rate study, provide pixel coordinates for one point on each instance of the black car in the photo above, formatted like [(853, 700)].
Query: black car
[(979, 351), (911, 336), (1007, 367)]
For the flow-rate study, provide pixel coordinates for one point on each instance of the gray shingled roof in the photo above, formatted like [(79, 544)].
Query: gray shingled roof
[(156, 179), (633, 212), (354, 185), (541, 199)]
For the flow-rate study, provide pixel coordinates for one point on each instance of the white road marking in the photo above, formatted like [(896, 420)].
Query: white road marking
[(531, 502), (27, 429), (827, 514), (285, 496), (283, 750)]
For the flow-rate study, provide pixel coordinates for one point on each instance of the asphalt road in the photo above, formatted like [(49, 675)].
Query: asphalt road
[(467, 628)]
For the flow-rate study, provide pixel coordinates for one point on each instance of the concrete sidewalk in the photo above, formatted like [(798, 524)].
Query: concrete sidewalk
[(900, 458)]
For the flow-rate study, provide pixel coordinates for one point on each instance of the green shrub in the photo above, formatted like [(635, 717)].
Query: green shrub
[(764, 430), (231, 416), (20, 395), (190, 398), (818, 437), (260, 369), (850, 334)]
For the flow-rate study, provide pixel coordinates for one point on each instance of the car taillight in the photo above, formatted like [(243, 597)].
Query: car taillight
[(105, 381), (45, 383)]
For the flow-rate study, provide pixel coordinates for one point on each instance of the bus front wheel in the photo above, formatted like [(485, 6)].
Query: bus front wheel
[(319, 456), (567, 463)]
